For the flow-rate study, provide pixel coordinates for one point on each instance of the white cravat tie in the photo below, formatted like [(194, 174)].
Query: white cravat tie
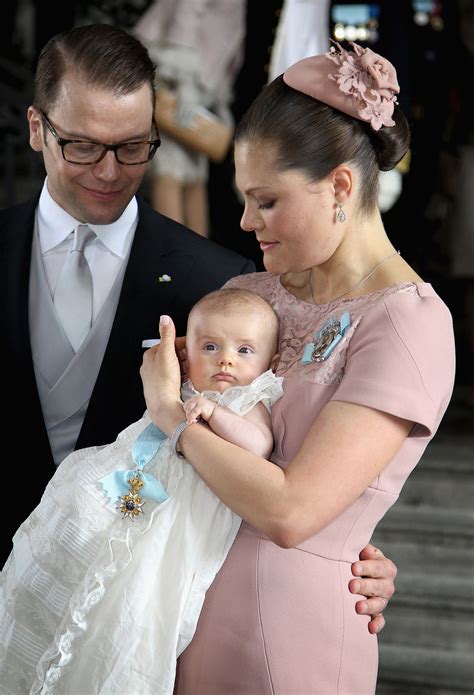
[(73, 294)]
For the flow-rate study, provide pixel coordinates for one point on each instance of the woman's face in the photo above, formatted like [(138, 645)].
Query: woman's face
[(293, 219)]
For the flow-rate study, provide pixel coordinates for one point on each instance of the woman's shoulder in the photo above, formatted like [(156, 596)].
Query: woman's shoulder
[(416, 306), (401, 356), (412, 320)]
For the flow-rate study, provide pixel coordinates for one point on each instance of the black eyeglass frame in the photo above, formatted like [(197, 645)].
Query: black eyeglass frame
[(62, 142)]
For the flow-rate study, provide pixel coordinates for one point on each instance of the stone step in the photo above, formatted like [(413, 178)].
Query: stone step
[(435, 592), (420, 524), (435, 612), (429, 557), (419, 671), (413, 627), (444, 477)]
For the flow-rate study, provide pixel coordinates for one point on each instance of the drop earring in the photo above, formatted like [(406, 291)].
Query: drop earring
[(341, 215)]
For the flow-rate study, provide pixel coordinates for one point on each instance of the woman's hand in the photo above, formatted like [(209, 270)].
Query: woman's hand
[(161, 377), (376, 581)]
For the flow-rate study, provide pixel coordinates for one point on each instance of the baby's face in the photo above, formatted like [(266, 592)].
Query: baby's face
[(227, 350)]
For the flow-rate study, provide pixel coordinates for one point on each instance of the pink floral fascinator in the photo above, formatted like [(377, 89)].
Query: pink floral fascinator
[(360, 83)]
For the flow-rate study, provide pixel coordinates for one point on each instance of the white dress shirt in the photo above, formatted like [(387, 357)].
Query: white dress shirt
[(105, 254)]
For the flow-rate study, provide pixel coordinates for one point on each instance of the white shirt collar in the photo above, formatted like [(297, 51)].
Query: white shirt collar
[(55, 224)]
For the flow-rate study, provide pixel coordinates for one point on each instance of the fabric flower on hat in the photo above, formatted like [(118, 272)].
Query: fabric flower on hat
[(369, 79)]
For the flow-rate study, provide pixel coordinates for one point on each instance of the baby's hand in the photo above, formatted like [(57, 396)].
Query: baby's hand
[(198, 407)]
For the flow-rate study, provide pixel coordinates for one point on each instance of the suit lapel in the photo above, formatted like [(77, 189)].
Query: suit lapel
[(143, 298), (153, 256)]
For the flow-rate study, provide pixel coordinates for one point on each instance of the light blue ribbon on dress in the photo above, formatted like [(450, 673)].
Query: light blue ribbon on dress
[(336, 329), (144, 448)]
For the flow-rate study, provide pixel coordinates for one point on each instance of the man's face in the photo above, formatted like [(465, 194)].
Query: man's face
[(95, 193)]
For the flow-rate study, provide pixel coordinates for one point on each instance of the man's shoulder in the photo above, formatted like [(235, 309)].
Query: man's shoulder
[(16, 225), (19, 211), (17, 208)]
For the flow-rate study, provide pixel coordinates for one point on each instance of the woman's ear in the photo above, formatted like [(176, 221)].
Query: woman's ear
[(343, 182)]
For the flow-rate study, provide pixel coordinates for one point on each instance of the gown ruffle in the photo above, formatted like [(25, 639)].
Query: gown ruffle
[(93, 603)]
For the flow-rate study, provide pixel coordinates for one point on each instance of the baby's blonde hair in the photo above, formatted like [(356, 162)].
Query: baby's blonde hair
[(228, 299)]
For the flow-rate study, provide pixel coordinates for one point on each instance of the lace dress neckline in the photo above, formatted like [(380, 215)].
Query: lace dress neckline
[(396, 287)]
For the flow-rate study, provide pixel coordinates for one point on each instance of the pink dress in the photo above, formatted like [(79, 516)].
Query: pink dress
[(282, 622)]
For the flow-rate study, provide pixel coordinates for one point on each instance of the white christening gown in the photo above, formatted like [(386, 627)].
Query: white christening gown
[(92, 602)]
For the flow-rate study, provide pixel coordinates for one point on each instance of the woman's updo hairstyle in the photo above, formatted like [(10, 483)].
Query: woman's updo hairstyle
[(313, 136)]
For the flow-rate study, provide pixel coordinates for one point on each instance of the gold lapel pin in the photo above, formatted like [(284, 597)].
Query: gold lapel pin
[(164, 278)]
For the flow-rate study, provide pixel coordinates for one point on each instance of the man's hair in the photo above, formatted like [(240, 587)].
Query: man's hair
[(230, 299), (102, 55)]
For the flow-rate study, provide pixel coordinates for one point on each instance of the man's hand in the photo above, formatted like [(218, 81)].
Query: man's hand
[(375, 579)]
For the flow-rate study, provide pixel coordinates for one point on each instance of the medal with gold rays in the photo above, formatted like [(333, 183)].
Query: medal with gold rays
[(131, 504)]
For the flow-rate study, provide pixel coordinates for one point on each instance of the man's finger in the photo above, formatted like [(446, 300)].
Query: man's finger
[(370, 552), (382, 569), (378, 588), (376, 624), (371, 606)]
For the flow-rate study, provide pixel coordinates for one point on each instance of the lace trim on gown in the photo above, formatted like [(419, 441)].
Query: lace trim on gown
[(266, 389)]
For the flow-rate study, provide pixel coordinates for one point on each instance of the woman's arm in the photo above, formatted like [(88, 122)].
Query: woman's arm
[(289, 505), (251, 431), (160, 372), (375, 573)]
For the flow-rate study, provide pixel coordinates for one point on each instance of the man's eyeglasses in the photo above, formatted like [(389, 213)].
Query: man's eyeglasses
[(83, 152)]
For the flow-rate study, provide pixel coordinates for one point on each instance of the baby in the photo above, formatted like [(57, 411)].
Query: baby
[(108, 574)]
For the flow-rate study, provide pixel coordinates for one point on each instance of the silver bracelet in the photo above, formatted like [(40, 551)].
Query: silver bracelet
[(176, 435)]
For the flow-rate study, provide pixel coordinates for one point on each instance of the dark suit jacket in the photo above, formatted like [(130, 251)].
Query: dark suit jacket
[(196, 266)]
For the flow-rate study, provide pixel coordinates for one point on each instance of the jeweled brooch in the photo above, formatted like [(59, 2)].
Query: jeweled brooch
[(326, 339), (131, 504)]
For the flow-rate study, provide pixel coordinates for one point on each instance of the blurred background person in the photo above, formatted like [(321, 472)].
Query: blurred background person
[(198, 48)]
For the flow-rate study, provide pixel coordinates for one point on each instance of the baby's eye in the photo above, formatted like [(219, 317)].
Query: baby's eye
[(210, 346), (246, 350), (266, 206)]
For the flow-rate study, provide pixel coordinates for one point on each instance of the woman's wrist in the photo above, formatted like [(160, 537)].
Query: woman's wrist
[(167, 415), (180, 428)]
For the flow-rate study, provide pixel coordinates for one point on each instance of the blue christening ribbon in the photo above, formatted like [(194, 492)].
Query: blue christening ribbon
[(326, 339), (117, 485)]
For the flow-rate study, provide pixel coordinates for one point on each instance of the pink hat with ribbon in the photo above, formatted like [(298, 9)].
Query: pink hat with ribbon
[(360, 83)]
